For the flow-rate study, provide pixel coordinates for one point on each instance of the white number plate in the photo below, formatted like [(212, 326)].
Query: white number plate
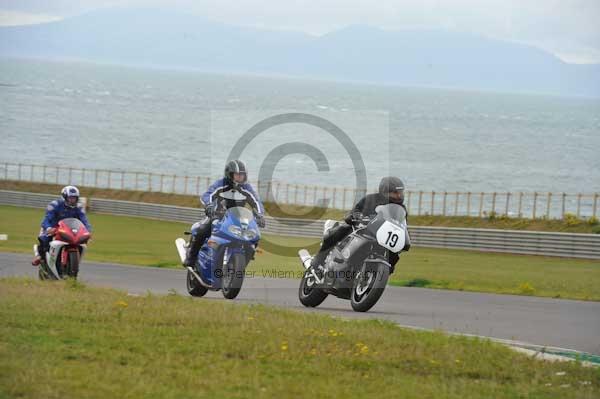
[(391, 236)]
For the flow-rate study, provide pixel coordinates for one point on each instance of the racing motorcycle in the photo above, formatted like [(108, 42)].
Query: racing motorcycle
[(223, 258), (66, 250), (357, 267)]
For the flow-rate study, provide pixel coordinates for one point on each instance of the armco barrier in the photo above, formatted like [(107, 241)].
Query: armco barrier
[(510, 241)]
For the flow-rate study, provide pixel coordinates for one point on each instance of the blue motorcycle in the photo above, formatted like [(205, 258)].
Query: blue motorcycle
[(223, 258)]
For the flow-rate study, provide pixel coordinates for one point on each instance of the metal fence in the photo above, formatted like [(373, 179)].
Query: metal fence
[(446, 203), (510, 241)]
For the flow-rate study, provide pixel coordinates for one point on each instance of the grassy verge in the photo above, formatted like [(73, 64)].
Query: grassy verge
[(98, 343), (140, 241), (571, 225)]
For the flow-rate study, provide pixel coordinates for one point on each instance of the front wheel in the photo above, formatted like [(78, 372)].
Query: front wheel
[(233, 276), (368, 286), (73, 264), (309, 294), (194, 287)]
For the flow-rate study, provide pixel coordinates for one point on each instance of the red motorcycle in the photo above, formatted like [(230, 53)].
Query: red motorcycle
[(66, 250)]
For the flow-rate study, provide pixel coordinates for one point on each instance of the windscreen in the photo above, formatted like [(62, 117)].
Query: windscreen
[(72, 223), (241, 213), (392, 212)]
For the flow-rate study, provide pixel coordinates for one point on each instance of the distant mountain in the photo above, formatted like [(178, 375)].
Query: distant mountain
[(167, 38)]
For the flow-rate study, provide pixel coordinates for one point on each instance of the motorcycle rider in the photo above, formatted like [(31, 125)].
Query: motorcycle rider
[(391, 190), (57, 210), (235, 177)]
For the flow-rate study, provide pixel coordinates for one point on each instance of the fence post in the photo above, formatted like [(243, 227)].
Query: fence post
[(109, 178), (432, 201), (564, 197), (535, 195), (269, 193), (150, 176), (185, 184), (43, 174), (481, 204), (173, 185), (595, 205), (295, 194), (122, 180), (408, 201), (5, 171), (315, 195), (56, 175), (548, 205), (444, 203), (420, 202), (519, 212), (83, 177), (31, 174), (508, 195), (494, 203), (19, 172), (70, 180), (578, 204), (344, 198), (198, 185), (161, 182), (469, 203), (456, 204)]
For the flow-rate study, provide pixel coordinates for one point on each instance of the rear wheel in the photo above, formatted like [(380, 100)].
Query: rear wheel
[(233, 276), (368, 286), (309, 294), (73, 264), (194, 287)]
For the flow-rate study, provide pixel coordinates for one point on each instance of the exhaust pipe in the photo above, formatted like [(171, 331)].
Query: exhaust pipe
[(306, 259), (197, 277)]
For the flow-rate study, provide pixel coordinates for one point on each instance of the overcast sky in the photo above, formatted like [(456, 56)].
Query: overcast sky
[(569, 29)]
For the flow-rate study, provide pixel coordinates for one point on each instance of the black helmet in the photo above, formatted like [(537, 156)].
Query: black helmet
[(236, 166), (391, 184)]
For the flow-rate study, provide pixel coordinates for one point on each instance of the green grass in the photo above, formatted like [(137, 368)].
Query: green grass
[(65, 340), (571, 225), (147, 242)]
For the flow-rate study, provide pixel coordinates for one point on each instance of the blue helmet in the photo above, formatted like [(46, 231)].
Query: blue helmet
[(71, 195)]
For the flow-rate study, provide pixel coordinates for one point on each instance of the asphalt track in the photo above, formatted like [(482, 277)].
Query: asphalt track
[(559, 323)]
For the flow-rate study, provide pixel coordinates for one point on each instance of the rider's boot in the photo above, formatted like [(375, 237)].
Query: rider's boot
[(40, 251), (36, 260), (317, 263), (191, 256)]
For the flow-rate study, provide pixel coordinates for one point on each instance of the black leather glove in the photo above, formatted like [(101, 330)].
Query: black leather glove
[(209, 210), (260, 220), (357, 216)]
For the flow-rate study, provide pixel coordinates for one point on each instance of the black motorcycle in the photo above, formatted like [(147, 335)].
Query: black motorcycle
[(357, 267)]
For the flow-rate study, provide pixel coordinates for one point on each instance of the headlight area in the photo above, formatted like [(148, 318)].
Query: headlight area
[(235, 230), (249, 234)]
